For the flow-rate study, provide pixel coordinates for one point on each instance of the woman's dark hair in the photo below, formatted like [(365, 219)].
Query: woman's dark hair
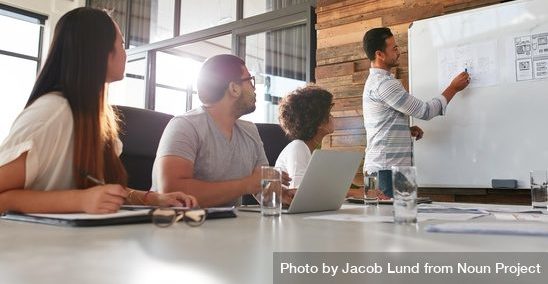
[(375, 39), (76, 66), (216, 74), (303, 111)]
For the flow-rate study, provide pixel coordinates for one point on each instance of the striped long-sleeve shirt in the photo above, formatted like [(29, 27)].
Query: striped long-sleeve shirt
[(386, 110)]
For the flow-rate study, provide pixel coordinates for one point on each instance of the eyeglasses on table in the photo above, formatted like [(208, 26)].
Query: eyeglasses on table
[(165, 217)]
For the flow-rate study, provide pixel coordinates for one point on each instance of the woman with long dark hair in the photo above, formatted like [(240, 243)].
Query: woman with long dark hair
[(62, 153)]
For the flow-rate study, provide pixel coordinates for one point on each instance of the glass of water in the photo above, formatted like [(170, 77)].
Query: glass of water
[(539, 188), (271, 191), (371, 190), (405, 194)]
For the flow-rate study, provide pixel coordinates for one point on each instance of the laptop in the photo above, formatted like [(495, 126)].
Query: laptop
[(324, 184)]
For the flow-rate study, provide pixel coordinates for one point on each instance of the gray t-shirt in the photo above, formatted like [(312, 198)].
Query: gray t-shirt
[(195, 137)]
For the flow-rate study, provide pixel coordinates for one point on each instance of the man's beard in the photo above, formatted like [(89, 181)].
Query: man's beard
[(394, 63), (242, 108), (248, 110)]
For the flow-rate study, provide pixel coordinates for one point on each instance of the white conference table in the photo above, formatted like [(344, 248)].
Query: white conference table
[(235, 250)]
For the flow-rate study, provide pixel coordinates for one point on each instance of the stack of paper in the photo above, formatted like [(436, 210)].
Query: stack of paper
[(497, 228)]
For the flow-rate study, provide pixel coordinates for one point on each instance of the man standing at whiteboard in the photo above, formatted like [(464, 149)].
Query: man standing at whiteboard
[(387, 105)]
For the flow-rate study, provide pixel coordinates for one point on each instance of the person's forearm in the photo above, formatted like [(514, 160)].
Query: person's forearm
[(449, 93), (30, 201), (208, 194)]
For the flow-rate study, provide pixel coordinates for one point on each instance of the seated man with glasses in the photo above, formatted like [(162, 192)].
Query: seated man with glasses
[(209, 152)]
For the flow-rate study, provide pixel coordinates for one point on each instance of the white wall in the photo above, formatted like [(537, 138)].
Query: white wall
[(54, 9)]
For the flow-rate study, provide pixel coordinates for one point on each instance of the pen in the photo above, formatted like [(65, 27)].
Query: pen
[(95, 180), (137, 207)]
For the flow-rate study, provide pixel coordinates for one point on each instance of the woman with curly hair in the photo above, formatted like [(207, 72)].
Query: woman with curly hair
[(305, 116)]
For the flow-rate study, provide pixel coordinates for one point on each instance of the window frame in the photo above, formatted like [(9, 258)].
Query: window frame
[(294, 15), (35, 19), (30, 17)]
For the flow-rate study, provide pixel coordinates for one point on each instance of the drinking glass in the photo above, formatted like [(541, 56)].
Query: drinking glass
[(405, 194), (271, 191)]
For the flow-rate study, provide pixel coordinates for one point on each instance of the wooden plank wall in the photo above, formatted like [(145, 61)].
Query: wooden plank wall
[(342, 66)]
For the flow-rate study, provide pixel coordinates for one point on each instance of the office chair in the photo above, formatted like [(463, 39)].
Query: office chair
[(141, 130), (274, 141)]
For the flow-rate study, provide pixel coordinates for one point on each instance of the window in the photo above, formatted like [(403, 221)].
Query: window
[(277, 44), (20, 58), (277, 59), (174, 77), (199, 14), (131, 90), (254, 7), (177, 70), (149, 20)]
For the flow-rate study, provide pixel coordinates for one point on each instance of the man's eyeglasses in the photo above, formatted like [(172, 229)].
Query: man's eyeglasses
[(165, 217), (252, 79)]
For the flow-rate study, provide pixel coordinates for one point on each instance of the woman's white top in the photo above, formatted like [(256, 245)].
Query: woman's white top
[(294, 159), (45, 131)]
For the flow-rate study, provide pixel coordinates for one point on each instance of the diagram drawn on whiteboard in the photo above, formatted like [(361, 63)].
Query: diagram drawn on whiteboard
[(531, 57), (478, 59)]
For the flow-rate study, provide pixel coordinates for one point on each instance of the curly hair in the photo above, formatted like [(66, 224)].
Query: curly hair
[(303, 111)]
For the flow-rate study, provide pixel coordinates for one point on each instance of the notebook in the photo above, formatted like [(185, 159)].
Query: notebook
[(82, 219), (129, 214), (324, 184)]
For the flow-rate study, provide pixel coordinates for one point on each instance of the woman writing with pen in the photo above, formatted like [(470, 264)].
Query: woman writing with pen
[(62, 153)]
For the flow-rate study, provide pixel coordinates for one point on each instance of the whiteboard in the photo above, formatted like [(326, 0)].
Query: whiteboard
[(497, 128)]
